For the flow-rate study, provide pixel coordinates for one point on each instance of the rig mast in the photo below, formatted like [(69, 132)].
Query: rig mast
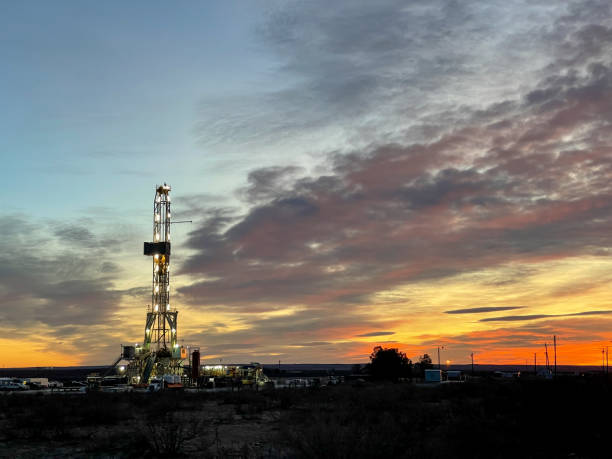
[(161, 327), (159, 358), (159, 354)]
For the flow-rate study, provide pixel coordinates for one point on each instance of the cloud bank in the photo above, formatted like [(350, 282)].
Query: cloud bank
[(450, 139), (512, 174)]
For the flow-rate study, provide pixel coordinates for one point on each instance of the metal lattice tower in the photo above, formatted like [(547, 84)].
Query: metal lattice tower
[(160, 354), (161, 326)]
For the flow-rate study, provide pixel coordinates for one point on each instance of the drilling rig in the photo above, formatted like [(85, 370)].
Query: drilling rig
[(159, 358), (159, 355)]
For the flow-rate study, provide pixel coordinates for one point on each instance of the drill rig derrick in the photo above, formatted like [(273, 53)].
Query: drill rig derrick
[(159, 354), (160, 345), (161, 320)]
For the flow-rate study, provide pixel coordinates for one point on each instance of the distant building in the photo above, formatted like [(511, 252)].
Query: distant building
[(507, 374), (42, 382), (433, 376)]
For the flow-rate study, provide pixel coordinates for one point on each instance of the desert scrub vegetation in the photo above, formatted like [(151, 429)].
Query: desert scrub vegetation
[(133, 424), (489, 419)]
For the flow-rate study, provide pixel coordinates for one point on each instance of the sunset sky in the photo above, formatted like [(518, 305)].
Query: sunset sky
[(358, 173)]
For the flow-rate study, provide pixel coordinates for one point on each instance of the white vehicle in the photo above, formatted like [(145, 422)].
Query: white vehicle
[(12, 385)]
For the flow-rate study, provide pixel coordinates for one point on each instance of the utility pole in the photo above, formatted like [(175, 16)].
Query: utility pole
[(472, 355), (439, 367), (607, 368), (547, 360), (555, 345)]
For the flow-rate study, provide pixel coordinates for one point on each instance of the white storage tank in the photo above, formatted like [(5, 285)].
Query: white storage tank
[(172, 379)]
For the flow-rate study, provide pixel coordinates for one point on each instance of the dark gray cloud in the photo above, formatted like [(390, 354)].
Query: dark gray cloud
[(109, 267), (77, 235), (543, 316), (270, 182), (372, 73), (379, 333), (505, 180), (305, 333), (138, 292), (54, 275), (481, 310), (189, 205), (313, 343)]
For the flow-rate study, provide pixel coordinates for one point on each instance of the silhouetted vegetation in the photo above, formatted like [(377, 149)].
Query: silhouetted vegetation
[(423, 364), (389, 364), (493, 419), (487, 419)]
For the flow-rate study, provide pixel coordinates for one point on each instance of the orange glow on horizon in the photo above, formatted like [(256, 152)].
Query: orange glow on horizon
[(21, 353), (413, 317)]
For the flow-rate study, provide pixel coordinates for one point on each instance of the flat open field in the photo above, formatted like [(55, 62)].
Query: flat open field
[(564, 418)]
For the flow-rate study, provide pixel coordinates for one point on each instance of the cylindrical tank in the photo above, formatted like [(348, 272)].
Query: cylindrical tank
[(195, 365), (129, 352)]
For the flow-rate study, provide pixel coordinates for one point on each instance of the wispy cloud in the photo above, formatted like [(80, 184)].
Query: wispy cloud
[(481, 310), (514, 174), (372, 334), (369, 71), (543, 316)]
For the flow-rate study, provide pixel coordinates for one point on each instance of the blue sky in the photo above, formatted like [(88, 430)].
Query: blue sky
[(112, 92), (109, 92)]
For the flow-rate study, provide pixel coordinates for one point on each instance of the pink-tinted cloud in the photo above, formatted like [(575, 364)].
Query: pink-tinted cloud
[(520, 181)]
